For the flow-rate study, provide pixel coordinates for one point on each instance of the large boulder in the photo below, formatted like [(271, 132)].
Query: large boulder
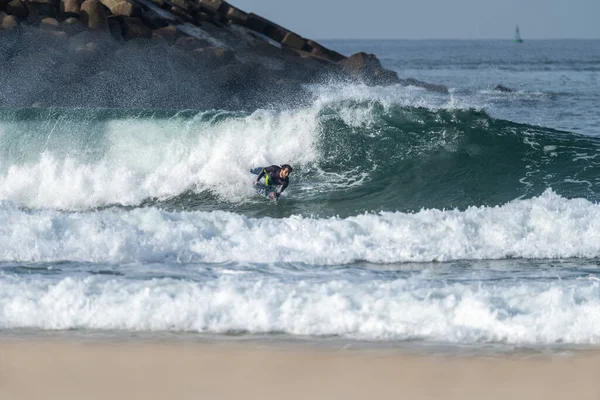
[(119, 7), (69, 8), (293, 41), (18, 9), (115, 26), (182, 4), (152, 20), (236, 16), (322, 52), (8, 22), (168, 33), (181, 14), (432, 87), (256, 23), (72, 26), (211, 6), (93, 15), (49, 24), (40, 9), (367, 68)]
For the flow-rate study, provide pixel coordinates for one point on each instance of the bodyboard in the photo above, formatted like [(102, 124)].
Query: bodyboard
[(265, 191)]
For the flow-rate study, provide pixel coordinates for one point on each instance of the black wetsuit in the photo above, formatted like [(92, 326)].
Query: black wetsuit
[(272, 177)]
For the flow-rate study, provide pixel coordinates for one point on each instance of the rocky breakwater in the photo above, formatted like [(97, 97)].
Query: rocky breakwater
[(162, 53)]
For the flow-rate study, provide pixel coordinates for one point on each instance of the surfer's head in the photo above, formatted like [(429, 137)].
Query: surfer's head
[(286, 169)]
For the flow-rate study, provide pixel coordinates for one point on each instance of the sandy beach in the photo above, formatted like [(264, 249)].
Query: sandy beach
[(66, 370)]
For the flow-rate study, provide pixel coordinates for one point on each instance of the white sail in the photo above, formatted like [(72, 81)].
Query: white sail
[(518, 36)]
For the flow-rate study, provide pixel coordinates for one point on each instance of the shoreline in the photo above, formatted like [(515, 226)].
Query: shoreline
[(153, 370), (282, 341)]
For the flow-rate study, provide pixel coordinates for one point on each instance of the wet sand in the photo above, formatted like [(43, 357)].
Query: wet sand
[(130, 370)]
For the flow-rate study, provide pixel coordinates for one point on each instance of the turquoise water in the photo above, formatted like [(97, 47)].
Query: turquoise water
[(413, 218)]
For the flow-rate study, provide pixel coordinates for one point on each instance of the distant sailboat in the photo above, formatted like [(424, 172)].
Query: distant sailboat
[(518, 36)]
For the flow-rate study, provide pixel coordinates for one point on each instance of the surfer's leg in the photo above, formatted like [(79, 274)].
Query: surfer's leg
[(256, 171)]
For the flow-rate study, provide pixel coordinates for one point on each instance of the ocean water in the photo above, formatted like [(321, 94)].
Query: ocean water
[(467, 219)]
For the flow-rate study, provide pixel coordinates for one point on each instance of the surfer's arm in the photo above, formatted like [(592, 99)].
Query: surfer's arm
[(268, 170), (262, 173), (282, 187)]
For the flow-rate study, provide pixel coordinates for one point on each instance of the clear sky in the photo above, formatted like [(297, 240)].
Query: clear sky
[(432, 19)]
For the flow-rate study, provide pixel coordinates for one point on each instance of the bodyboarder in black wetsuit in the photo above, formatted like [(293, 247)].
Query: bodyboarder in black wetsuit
[(275, 176)]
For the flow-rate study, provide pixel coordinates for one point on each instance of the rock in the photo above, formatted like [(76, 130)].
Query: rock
[(236, 16), (367, 68), (69, 8), (115, 27), (181, 13), (385, 77), (294, 41), (40, 9), (425, 85), (18, 9), (134, 28), (361, 65), (256, 23), (322, 52), (50, 24), (504, 89), (211, 6), (93, 15), (275, 32), (37, 11), (181, 4), (8, 22), (213, 55), (152, 20), (72, 26), (119, 7), (201, 17), (169, 33)]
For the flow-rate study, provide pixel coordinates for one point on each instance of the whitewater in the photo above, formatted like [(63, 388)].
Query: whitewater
[(468, 218)]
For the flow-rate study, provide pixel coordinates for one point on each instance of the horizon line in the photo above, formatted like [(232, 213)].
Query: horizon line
[(449, 39)]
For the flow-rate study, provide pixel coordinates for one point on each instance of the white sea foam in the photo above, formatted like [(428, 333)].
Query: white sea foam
[(140, 159), (526, 312), (548, 226)]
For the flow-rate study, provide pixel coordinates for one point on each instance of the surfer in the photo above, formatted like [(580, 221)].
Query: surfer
[(274, 176)]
